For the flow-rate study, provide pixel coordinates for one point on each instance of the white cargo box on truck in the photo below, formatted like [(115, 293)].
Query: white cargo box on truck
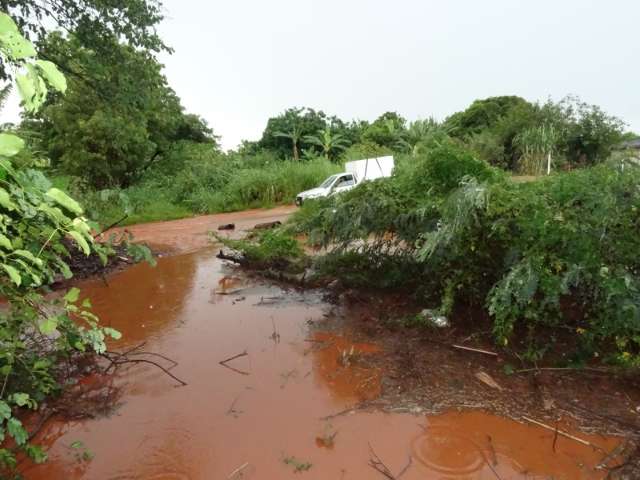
[(355, 173), (370, 168)]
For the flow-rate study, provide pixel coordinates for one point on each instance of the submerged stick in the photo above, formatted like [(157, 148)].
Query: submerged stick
[(238, 470), (223, 362), (477, 350), (406, 467), (117, 358), (155, 364), (378, 465), (563, 433)]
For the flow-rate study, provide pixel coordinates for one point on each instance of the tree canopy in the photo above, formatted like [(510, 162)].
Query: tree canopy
[(116, 119), (94, 23)]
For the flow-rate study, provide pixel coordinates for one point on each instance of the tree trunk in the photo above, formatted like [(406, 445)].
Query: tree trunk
[(296, 157)]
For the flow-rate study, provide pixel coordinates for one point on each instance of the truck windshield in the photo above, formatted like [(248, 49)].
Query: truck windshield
[(327, 183)]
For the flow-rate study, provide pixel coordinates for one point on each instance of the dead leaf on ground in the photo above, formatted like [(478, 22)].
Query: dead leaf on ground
[(487, 380)]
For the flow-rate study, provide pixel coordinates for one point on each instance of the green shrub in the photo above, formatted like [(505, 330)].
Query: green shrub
[(559, 253)]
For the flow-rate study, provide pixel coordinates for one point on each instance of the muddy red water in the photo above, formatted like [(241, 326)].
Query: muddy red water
[(261, 418)]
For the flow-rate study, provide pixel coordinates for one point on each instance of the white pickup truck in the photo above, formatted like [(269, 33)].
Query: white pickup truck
[(355, 173)]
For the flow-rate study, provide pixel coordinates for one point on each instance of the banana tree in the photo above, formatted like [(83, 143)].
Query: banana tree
[(295, 135), (328, 142)]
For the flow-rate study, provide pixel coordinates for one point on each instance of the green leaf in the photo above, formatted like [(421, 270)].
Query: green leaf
[(65, 200), (7, 25), (76, 445), (5, 200), (48, 326), (86, 303), (11, 41), (36, 453), (65, 270), (113, 333), (10, 144), (13, 274), (72, 295), (29, 256), (17, 431), (5, 410), (20, 399), (5, 242), (81, 241), (32, 89), (53, 75)]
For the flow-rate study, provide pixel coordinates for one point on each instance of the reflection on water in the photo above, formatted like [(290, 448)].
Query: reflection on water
[(197, 311)]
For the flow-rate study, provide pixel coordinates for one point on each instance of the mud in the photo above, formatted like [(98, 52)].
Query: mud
[(190, 234), (291, 407)]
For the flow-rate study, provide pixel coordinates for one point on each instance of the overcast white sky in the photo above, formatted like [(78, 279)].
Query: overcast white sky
[(238, 62)]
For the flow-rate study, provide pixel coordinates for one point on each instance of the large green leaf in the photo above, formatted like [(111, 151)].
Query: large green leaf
[(48, 326), (5, 242), (65, 200), (12, 42), (31, 88), (5, 410), (72, 295), (81, 241), (10, 144), (13, 273), (7, 25), (20, 399), (17, 431), (53, 75), (29, 256), (5, 200), (113, 333)]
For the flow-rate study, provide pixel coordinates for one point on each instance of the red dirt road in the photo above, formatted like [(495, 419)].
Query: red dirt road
[(190, 234)]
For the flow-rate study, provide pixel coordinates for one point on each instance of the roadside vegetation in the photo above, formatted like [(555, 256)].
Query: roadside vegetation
[(550, 258), (42, 340)]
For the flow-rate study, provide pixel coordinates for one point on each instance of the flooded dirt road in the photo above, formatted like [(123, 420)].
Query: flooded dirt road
[(189, 234), (271, 414)]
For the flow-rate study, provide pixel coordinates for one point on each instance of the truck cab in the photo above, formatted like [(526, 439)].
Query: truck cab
[(340, 182)]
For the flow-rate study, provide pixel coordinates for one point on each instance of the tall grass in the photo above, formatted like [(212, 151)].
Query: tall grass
[(209, 184)]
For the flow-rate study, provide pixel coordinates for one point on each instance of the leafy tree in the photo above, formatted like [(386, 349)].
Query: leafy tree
[(330, 143), (590, 133), (284, 134), (421, 134), (482, 115), (387, 130), (96, 24), (115, 120)]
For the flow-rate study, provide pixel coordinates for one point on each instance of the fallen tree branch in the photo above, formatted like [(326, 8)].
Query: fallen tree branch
[(118, 359)]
